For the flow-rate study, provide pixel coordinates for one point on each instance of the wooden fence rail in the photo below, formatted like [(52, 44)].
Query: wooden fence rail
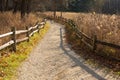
[(95, 40), (29, 32), (7, 34), (80, 34), (83, 37)]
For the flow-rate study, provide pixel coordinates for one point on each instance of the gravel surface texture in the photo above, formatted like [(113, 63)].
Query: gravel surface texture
[(52, 59)]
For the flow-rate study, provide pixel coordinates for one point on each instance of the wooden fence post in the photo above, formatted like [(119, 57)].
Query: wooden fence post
[(45, 21), (27, 34), (13, 29), (38, 28), (94, 43), (64, 20), (32, 31)]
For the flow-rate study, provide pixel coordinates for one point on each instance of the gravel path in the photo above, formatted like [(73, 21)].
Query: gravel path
[(52, 59)]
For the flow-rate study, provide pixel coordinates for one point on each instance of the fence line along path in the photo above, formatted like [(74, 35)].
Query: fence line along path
[(92, 43), (29, 32), (52, 59)]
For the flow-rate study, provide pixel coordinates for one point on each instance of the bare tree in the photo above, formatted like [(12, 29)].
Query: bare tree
[(23, 6), (2, 5), (58, 5), (28, 6), (16, 5), (62, 4), (54, 8)]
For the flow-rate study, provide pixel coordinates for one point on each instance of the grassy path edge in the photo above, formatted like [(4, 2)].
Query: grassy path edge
[(10, 62)]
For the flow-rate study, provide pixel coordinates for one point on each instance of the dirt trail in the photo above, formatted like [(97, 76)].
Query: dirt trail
[(52, 59)]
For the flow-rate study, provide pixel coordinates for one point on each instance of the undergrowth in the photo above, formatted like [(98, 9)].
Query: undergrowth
[(8, 20), (10, 61), (92, 58), (106, 27), (95, 59)]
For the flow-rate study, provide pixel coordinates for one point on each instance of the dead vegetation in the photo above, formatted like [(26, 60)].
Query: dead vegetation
[(106, 27), (98, 58), (8, 20)]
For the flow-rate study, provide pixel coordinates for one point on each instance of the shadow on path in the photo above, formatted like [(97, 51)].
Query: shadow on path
[(77, 61)]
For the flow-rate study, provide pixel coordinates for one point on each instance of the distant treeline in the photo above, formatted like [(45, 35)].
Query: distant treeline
[(15, 5), (101, 6)]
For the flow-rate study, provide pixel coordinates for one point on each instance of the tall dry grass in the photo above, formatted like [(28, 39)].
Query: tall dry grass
[(106, 27), (8, 20), (68, 15)]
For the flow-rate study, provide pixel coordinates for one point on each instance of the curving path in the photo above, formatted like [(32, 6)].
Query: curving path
[(52, 59)]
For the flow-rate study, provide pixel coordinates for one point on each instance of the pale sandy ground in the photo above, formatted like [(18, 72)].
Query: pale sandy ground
[(52, 59)]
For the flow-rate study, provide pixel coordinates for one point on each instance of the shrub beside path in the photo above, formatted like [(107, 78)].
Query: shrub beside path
[(52, 59)]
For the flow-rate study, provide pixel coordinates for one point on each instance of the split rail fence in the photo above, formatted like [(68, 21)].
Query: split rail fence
[(29, 32), (90, 42)]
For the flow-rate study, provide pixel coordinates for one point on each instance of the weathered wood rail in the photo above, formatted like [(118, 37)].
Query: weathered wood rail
[(95, 40), (90, 42), (29, 32)]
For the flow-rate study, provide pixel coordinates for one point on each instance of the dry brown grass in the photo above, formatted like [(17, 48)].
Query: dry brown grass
[(8, 20), (104, 55), (68, 15), (106, 27)]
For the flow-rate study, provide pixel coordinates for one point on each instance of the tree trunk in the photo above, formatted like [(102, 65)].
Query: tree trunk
[(15, 6), (6, 7), (61, 14), (54, 14), (28, 9), (2, 5), (23, 8), (54, 7)]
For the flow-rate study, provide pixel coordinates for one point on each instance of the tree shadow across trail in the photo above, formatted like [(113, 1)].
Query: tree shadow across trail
[(77, 61)]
